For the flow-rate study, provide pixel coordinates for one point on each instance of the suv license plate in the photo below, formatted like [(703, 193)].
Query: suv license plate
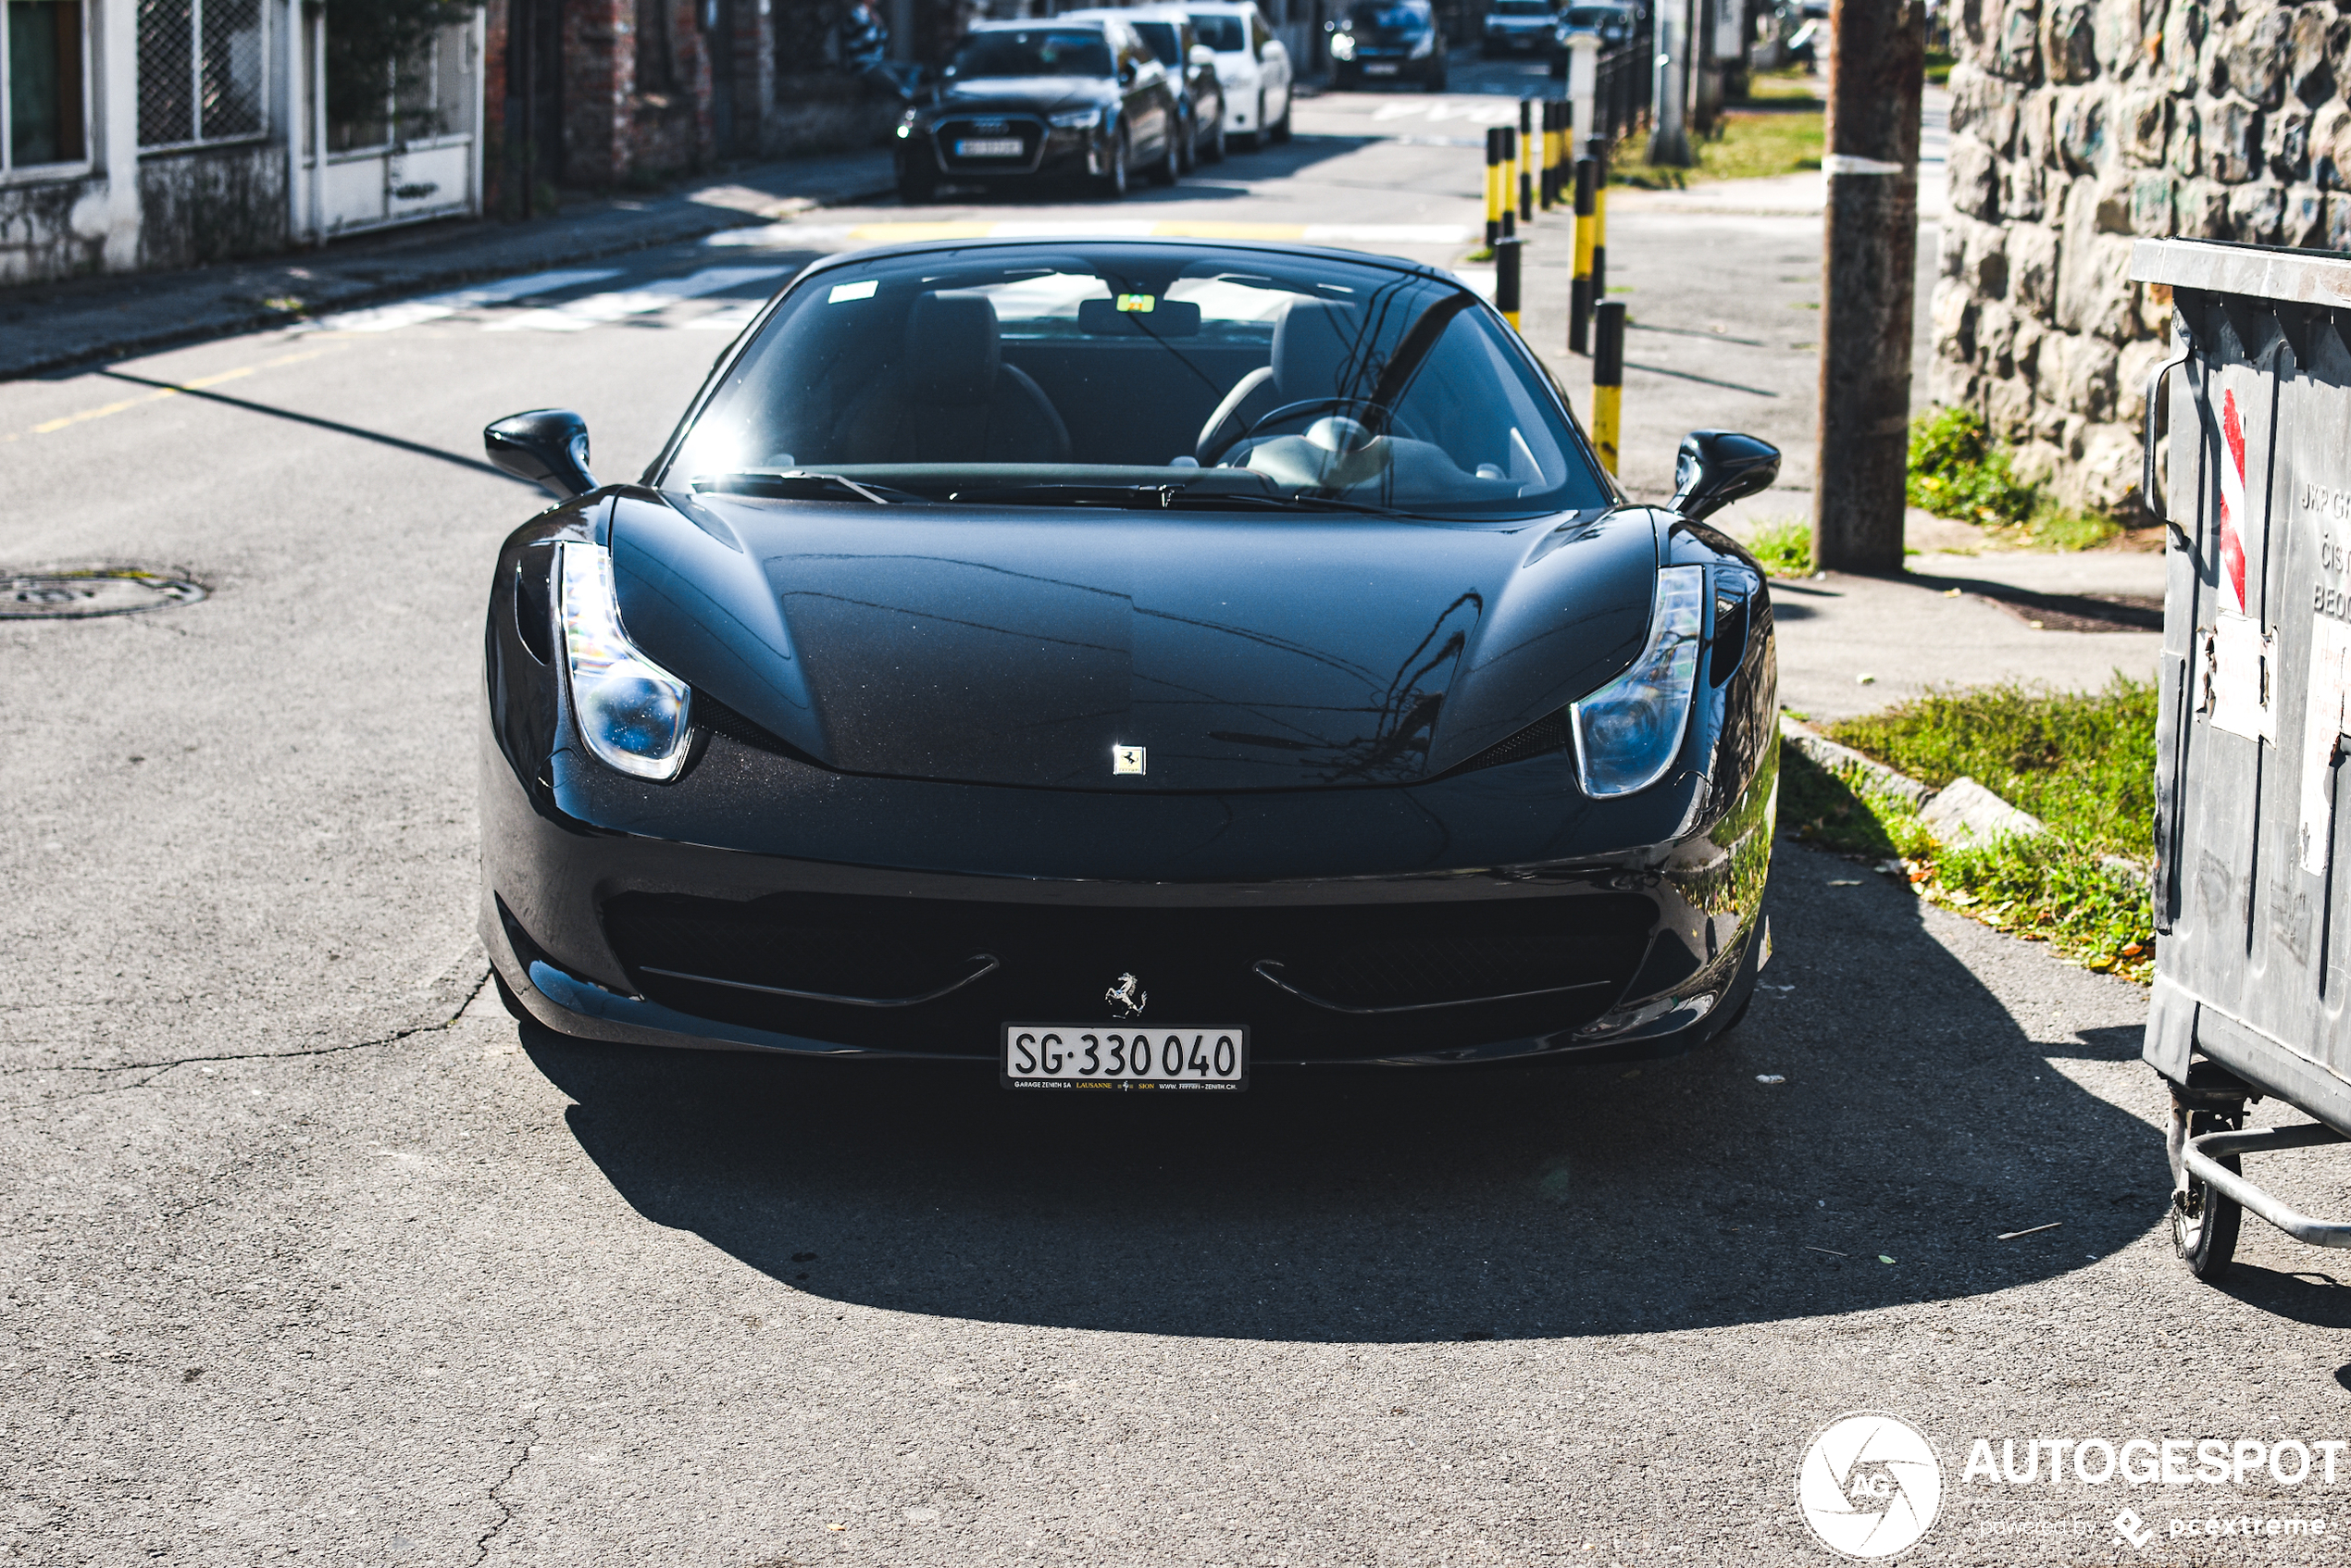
[(989, 147), (1112, 1057), (1382, 68)]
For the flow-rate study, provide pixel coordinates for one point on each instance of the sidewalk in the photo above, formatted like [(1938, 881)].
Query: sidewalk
[(48, 325)]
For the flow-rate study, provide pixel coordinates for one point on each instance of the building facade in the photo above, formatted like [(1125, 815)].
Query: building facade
[(153, 133)]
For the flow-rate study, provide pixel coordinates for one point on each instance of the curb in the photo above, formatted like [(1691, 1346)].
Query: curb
[(1962, 813), (324, 295)]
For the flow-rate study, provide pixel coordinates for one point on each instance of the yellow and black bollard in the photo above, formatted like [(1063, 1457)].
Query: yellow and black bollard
[(1507, 252), (1526, 159), (1508, 137), (1579, 290), (1599, 220), (1608, 379), (1555, 128), (1543, 179), (1493, 185)]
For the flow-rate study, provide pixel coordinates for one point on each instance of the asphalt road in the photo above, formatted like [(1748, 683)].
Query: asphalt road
[(308, 1251)]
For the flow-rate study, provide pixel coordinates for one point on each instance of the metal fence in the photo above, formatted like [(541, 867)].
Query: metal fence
[(1621, 90), (202, 70)]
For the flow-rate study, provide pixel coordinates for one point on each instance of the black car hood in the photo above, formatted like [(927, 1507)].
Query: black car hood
[(1011, 94), (1017, 647)]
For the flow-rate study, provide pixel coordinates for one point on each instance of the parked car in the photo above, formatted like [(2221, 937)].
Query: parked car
[(1518, 27), (1613, 25), (1127, 663), (1386, 41), (1253, 67), (1027, 101), (1192, 65)]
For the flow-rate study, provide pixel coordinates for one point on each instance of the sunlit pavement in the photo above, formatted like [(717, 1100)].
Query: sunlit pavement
[(305, 1252)]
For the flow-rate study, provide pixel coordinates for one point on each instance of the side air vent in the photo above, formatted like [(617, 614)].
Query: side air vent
[(1546, 735)]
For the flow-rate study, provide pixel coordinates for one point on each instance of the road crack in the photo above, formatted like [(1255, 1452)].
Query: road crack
[(154, 1070), (497, 1491)]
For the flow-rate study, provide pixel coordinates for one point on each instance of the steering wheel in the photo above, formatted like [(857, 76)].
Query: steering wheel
[(1376, 419)]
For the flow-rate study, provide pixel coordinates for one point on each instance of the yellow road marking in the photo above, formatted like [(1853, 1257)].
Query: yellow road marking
[(193, 384)]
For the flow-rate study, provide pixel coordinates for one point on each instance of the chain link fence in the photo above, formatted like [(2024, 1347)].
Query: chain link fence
[(201, 67)]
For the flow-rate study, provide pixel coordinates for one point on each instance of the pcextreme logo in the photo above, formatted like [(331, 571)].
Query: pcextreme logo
[(1868, 1485)]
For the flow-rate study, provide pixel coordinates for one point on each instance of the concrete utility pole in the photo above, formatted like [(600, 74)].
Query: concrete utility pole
[(1669, 143), (1877, 68)]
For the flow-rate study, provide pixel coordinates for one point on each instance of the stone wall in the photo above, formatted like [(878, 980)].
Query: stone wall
[(2077, 125)]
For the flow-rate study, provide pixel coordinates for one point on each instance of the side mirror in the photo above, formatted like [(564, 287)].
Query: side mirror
[(547, 446), (1716, 468)]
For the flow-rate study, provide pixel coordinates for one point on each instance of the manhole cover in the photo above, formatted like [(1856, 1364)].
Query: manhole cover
[(102, 590)]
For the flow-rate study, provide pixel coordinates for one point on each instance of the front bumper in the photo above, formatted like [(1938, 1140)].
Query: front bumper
[(619, 936), (1052, 152)]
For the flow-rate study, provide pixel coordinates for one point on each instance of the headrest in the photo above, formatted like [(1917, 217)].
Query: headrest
[(952, 352), (1315, 354)]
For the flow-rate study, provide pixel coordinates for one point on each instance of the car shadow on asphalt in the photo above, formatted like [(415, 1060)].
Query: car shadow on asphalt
[(1913, 1122)]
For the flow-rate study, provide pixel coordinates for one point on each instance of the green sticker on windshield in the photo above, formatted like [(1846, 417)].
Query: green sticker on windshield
[(1142, 304)]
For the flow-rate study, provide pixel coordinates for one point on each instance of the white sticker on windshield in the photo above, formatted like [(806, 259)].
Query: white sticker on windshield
[(846, 292)]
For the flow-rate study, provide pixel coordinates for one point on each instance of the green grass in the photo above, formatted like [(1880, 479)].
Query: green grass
[(2082, 763), (1785, 546), (1958, 470), (1749, 147), (1779, 86)]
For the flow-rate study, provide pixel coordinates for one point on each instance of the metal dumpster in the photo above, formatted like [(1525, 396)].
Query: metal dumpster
[(2253, 946)]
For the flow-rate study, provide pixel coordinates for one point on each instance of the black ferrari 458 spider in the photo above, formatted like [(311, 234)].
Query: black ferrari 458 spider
[(1134, 663)]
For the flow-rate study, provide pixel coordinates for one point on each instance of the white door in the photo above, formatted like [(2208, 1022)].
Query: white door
[(411, 155)]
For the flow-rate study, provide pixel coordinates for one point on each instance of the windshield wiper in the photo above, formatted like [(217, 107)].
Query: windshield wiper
[(793, 484)]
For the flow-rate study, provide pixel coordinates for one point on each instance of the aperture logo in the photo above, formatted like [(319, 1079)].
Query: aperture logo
[(1868, 1485)]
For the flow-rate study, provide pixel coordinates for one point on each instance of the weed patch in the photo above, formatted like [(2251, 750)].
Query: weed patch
[(1784, 547), (2083, 763), (1958, 470)]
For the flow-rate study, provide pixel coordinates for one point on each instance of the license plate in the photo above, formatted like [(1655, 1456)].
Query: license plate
[(1380, 71), (989, 147), (1111, 1057)]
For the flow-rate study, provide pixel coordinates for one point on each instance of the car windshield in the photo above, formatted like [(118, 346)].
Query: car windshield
[(1223, 34), (1519, 8), (1040, 52), (1593, 19), (1179, 374), (1161, 39), (1388, 16)]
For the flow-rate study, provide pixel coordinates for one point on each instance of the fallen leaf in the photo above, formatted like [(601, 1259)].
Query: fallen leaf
[(1883, 1258)]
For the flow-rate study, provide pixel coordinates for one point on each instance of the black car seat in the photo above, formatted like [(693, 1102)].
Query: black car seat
[(952, 398), (1315, 356)]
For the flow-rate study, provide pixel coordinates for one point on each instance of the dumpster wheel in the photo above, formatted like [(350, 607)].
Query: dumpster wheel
[(2205, 1224)]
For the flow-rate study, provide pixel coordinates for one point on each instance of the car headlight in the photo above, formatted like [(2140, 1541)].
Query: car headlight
[(1628, 733), (632, 712), (1425, 47), (1077, 120), (1342, 45)]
